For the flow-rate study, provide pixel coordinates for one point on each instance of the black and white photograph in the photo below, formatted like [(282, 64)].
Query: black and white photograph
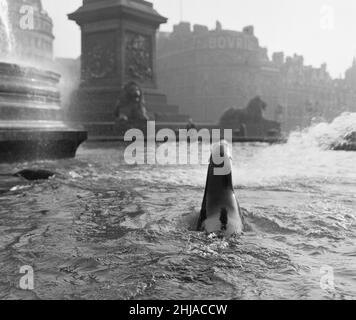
[(177, 150)]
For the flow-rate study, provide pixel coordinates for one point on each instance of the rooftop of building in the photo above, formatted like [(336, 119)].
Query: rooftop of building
[(294, 64), (187, 29)]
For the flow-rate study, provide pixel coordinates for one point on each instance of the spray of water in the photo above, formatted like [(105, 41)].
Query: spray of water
[(307, 155), (325, 135), (9, 51), (6, 39)]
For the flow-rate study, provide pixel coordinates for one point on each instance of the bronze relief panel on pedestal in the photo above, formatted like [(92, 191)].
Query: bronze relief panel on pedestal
[(99, 56), (138, 57)]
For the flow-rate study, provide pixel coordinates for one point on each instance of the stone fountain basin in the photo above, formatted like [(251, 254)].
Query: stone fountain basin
[(31, 125), (24, 141)]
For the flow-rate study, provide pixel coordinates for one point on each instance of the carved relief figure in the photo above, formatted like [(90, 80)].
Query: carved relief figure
[(139, 63), (100, 56)]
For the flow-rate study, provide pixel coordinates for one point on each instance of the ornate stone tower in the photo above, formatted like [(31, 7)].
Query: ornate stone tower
[(118, 45)]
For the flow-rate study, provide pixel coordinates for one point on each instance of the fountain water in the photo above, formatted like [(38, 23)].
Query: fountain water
[(30, 112), (6, 39), (340, 134)]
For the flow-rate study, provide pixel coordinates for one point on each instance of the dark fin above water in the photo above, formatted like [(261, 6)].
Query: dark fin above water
[(32, 175), (8, 181)]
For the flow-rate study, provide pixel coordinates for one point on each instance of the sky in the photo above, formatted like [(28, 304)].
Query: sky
[(320, 30)]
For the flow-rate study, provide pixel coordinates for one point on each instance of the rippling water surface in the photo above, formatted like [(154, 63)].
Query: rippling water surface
[(102, 229)]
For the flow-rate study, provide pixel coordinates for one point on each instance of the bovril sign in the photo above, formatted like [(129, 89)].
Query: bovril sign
[(227, 42)]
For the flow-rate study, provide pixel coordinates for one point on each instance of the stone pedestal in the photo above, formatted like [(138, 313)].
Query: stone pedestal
[(118, 45)]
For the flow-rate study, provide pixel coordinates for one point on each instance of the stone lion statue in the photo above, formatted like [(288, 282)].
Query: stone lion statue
[(253, 112), (255, 108), (250, 120), (131, 104)]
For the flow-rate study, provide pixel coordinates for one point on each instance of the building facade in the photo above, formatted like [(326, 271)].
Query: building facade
[(207, 71), (32, 31)]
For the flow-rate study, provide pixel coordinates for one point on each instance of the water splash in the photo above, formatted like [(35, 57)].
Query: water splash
[(6, 39), (325, 135), (306, 161)]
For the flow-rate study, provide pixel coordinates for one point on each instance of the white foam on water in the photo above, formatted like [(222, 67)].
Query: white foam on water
[(307, 156), (304, 161), (323, 134)]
